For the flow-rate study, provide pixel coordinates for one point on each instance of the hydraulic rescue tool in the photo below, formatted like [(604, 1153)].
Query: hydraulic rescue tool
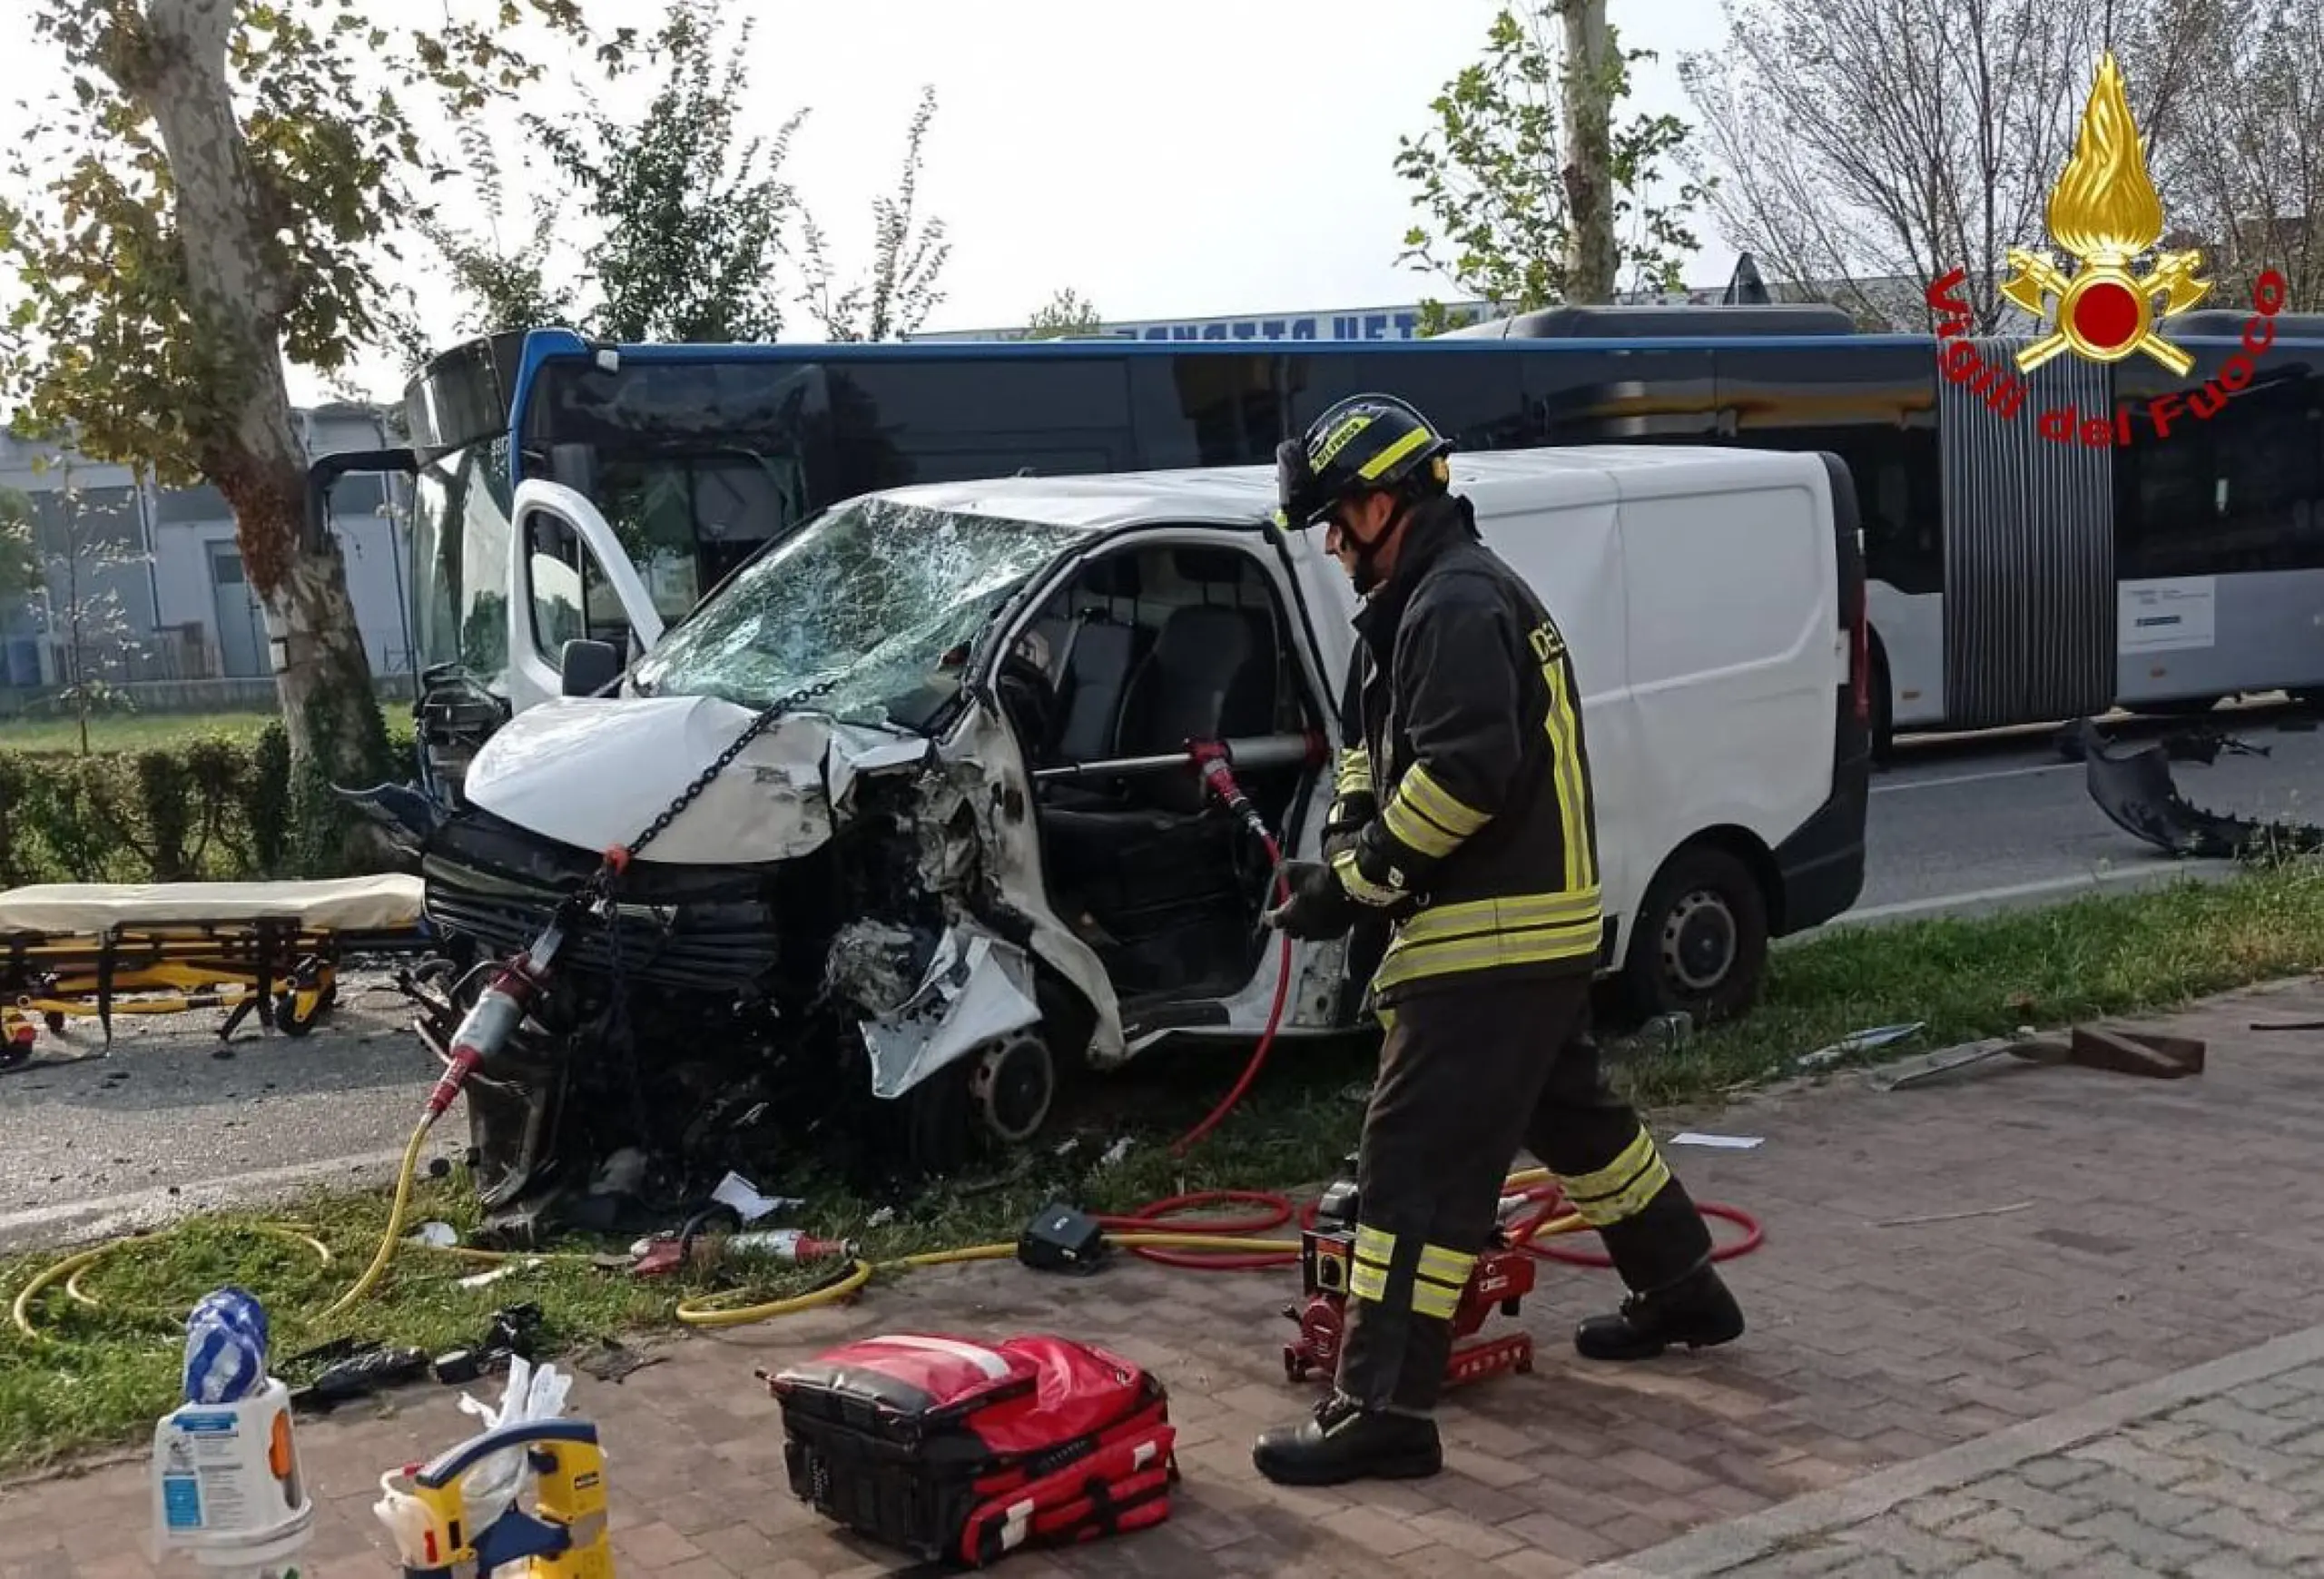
[(1502, 1276), (564, 1537)]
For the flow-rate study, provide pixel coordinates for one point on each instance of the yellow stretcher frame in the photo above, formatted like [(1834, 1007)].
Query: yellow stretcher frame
[(168, 948)]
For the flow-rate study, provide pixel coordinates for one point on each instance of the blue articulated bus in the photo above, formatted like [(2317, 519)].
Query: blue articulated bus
[(2020, 572)]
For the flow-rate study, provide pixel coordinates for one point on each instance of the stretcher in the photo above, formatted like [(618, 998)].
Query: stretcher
[(71, 948)]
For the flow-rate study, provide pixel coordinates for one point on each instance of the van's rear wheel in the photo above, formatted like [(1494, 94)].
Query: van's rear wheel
[(1699, 947)]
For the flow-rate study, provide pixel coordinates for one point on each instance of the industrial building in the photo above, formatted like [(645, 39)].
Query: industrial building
[(156, 581)]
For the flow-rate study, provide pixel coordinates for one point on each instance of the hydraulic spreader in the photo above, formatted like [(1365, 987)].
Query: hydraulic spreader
[(1503, 1277)]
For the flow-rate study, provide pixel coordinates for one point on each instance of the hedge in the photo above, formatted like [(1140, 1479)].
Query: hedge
[(217, 809)]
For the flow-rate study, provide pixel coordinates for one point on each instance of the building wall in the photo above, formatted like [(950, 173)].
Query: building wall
[(168, 557), (1401, 322)]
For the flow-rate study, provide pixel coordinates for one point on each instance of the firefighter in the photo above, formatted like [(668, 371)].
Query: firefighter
[(1464, 819)]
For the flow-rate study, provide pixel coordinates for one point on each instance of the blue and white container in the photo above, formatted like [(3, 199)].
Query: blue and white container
[(228, 1488)]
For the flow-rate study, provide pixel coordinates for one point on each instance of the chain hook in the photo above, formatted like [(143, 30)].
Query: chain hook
[(600, 883)]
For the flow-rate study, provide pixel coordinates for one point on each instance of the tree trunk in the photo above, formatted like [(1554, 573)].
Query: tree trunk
[(1589, 173), (246, 441)]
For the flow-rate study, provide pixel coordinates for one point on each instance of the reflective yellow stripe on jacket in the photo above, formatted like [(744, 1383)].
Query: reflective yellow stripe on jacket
[(1482, 934)]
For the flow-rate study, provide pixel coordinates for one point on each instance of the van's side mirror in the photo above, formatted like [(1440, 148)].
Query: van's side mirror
[(588, 666)]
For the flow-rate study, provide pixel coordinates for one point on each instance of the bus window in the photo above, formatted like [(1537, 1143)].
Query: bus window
[(1205, 409), (1653, 395), (2239, 492), (2163, 505), (1876, 408), (949, 418), (482, 498), (436, 561), (2264, 462), (1477, 400), (688, 520)]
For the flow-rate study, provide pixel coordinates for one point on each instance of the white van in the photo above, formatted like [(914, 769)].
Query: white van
[(983, 837)]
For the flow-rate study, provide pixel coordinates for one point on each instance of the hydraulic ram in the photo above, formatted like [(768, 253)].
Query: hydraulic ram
[(1249, 754)]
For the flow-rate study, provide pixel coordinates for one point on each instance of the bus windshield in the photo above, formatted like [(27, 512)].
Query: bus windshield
[(459, 551), (879, 598)]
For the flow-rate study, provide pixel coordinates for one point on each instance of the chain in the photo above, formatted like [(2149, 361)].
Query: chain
[(616, 858)]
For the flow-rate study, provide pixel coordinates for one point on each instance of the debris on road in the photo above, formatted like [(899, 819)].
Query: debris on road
[(609, 1361), (735, 1191), (1953, 1217), (1859, 1042), (2138, 1052)]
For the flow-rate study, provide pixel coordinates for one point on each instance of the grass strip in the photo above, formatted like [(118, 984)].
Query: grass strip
[(102, 1373), (53, 734)]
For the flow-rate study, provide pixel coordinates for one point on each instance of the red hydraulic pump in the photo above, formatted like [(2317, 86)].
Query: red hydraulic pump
[(1503, 1277)]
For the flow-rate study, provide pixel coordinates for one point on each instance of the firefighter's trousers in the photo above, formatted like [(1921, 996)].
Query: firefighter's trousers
[(1468, 1075)]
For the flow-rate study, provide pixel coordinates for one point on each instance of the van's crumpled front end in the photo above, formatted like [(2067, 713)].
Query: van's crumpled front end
[(818, 927), (840, 929)]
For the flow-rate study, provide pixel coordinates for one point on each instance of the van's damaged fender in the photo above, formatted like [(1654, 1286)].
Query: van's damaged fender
[(977, 989)]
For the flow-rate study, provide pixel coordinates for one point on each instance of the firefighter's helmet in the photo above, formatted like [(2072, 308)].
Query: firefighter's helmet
[(1364, 444)]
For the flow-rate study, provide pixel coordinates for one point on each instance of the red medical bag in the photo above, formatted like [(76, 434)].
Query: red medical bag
[(961, 1452)]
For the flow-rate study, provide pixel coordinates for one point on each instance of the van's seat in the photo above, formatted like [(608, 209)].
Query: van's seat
[(1149, 846), (1211, 675), (1100, 654)]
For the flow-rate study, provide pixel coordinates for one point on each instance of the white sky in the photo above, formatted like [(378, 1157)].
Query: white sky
[(1184, 160)]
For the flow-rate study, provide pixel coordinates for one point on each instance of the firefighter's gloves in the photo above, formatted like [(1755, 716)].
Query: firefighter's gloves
[(1318, 908)]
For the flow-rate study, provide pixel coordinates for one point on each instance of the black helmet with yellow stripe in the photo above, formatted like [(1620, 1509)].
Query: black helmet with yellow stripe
[(1364, 444)]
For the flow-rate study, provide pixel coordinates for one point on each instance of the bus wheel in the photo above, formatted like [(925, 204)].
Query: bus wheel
[(1699, 947)]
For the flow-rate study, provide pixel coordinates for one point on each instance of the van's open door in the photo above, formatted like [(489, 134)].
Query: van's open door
[(569, 577)]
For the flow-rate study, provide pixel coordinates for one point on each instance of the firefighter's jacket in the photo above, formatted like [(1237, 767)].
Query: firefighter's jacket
[(1463, 812)]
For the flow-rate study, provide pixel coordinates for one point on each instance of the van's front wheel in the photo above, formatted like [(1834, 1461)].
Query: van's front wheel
[(1699, 947)]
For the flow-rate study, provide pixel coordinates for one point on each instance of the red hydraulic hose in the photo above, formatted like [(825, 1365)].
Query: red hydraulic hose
[(1187, 1141), (1152, 1216), (1554, 1206), (1279, 1209)]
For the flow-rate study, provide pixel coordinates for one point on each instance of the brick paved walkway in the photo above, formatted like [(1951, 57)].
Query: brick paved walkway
[(2125, 1229), (2215, 1473)]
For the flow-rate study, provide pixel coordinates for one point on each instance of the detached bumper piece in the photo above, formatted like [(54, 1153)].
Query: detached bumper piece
[(959, 1452), (2134, 786)]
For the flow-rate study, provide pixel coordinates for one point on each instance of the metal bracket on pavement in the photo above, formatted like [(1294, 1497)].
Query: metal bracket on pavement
[(2138, 1052)]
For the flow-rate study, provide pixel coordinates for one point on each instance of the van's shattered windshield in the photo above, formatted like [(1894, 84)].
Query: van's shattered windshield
[(880, 597)]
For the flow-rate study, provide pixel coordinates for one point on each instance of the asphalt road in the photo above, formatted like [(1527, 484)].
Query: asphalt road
[(1971, 824), (97, 1142), (162, 1125)]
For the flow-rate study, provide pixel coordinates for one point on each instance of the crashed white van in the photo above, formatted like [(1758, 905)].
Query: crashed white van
[(981, 852)]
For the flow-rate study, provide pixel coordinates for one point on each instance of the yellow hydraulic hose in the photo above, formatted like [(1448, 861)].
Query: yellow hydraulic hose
[(378, 1267), (72, 1268), (705, 1310)]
